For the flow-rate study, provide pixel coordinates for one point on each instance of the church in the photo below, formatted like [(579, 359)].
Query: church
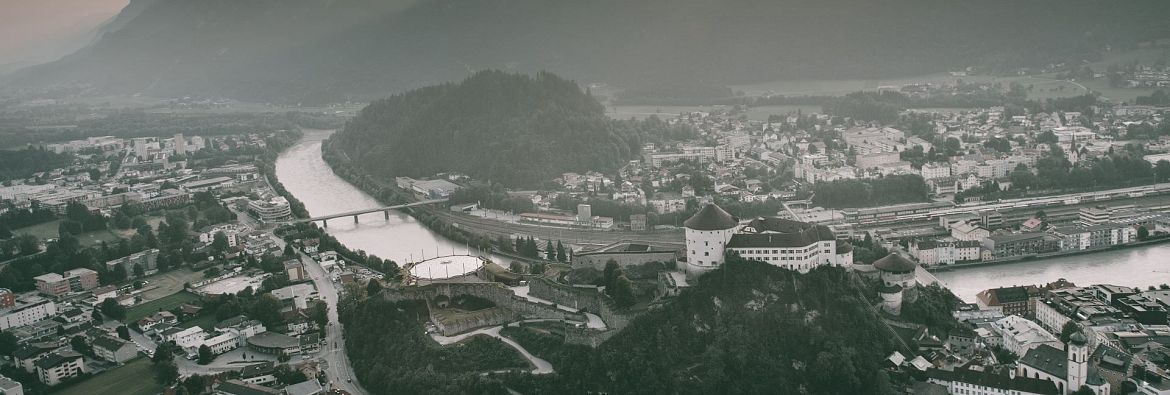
[(799, 246), (1068, 368)]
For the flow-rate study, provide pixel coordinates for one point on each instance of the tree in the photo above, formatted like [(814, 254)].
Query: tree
[(195, 384), (78, 343), (622, 292), (561, 257), (113, 309), (373, 287), (139, 271), (205, 355), (123, 332), (96, 317), (1162, 170), (319, 313), (1143, 232), (166, 373), (219, 243), (550, 253), (267, 311), (8, 343), (1068, 330)]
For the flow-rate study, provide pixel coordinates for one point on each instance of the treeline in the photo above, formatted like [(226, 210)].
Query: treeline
[(514, 129), (1158, 98), (753, 340), (135, 123), (15, 218), (391, 354), (908, 188), (18, 164), (676, 94)]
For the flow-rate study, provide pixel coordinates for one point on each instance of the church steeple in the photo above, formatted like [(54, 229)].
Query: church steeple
[(1078, 361)]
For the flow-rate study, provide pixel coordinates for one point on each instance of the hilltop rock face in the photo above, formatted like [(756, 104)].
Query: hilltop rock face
[(308, 51)]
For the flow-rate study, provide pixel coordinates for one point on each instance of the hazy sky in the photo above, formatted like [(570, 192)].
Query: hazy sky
[(32, 29)]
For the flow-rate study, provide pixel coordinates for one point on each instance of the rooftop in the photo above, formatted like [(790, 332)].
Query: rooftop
[(711, 217)]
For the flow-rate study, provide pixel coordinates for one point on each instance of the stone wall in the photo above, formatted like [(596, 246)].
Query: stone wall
[(580, 298), (450, 325), (598, 260), (496, 293)]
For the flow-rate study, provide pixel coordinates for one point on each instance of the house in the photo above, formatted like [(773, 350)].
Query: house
[(295, 270), (56, 367), (10, 387), (1010, 300), (308, 387), (27, 356), (114, 349)]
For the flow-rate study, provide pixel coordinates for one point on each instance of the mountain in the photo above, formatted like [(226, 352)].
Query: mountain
[(508, 128), (327, 50)]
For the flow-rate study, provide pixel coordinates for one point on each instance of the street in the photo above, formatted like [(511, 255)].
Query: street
[(333, 351)]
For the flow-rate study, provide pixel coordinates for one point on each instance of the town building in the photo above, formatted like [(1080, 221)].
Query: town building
[(10, 387), (56, 367), (274, 343), (1017, 300), (295, 270), (1017, 244), (973, 382), (26, 310), (273, 209), (146, 260), (75, 280), (1021, 334), (114, 349), (296, 296)]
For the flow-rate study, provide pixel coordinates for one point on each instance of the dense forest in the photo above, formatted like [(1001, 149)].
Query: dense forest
[(23, 163), (871, 192), (366, 49), (747, 327), (390, 353), (496, 126)]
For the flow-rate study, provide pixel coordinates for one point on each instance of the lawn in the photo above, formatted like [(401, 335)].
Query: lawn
[(205, 321), (135, 313), (48, 230), (134, 378)]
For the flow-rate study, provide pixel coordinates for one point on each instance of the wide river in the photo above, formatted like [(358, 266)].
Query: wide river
[(403, 239)]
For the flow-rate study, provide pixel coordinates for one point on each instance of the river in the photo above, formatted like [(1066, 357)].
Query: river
[(1135, 267), (306, 175), (401, 238)]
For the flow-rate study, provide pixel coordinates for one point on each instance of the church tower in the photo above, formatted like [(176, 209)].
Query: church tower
[(1078, 362)]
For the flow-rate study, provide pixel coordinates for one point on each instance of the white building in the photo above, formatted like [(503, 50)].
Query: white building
[(297, 295), (58, 366), (274, 209), (794, 245), (1021, 335), (27, 310)]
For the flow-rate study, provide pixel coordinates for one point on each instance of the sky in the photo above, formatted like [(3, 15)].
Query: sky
[(38, 30)]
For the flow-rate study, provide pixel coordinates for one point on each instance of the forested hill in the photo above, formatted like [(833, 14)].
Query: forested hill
[(295, 51), (497, 126), (746, 328)]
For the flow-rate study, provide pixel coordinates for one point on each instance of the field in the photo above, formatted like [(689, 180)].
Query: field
[(134, 378), (164, 284), (205, 321), (135, 313), (48, 230)]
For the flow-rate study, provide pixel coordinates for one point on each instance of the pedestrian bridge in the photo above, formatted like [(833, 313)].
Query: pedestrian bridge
[(324, 219)]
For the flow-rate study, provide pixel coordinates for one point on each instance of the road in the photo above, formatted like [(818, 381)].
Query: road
[(333, 351), (540, 366)]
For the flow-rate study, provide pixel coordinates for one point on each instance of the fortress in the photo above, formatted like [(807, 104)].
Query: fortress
[(799, 246)]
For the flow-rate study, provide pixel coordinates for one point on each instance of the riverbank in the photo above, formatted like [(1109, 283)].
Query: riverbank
[(1047, 256)]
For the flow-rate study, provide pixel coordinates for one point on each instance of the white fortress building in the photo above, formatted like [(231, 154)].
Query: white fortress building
[(793, 245)]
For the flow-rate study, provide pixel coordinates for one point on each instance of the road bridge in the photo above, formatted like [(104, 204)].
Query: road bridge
[(385, 210)]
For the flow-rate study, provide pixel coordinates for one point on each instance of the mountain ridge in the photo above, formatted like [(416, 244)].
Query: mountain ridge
[(334, 50)]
